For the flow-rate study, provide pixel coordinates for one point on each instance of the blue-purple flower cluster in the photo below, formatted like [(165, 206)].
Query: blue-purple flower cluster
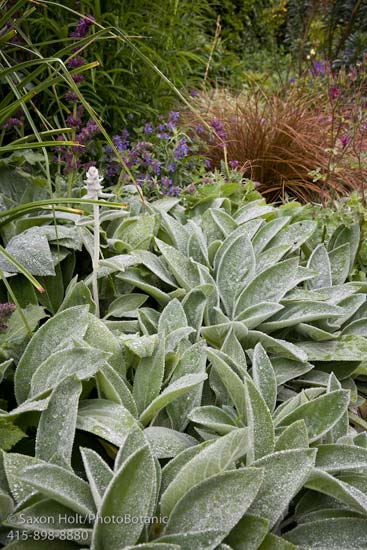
[(161, 157)]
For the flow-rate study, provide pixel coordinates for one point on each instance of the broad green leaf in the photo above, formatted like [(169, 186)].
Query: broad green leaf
[(219, 501), (142, 346), (232, 347), (100, 337), (149, 377), (10, 434), (200, 540), (154, 546), (196, 246), (320, 414), (167, 443), (53, 335), (99, 474), (137, 232), (184, 270), (14, 466), (178, 233), (276, 345), (248, 533), (134, 277), (336, 458), (80, 362), (176, 389), (273, 542), (287, 369), (194, 304), (105, 419), (293, 437), (236, 268), (213, 418), (193, 361), (154, 264), (347, 348), (333, 534), (4, 367), (172, 317), (259, 422), (114, 388), (271, 257), (319, 261), (57, 424), (61, 485), (285, 473), (212, 460), (268, 286), (264, 376), (217, 224), (129, 493)]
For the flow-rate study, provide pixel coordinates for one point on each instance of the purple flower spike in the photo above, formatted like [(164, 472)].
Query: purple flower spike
[(11, 123)]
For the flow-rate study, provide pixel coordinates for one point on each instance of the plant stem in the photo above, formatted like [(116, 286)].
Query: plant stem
[(95, 260)]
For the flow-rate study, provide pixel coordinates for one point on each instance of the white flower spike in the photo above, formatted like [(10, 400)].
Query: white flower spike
[(93, 185)]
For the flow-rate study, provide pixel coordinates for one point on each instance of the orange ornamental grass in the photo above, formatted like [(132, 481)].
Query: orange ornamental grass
[(287, 145)]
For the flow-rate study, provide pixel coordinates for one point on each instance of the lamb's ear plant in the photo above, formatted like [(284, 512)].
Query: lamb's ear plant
[(216, 399)]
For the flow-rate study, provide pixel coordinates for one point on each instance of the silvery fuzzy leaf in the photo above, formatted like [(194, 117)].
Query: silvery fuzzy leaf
[(126, 305), (346, 348), (236, 268), (129, 492), (185, 271), (194, 305), (259, 423), (100, 337), (320, 262), (200, 540), (53, 335), (217, 224), (105, 419), (273, 542), (268, 286), (302, 312), (167, 443), (340, 263), (350, 235), (177, 336), (61, 485), (293, 436), (14, 466), (264, 376), (232, 348), (133, 440), (177, 232), (56, 445), (332, 534), (213, 418), (320, 414), (176, 389), (171, 469), (80, 362), (172, 317), (287, 369), (271, 256), (348, 494), (149, 377), (99, 474), (142, 346), (193, 361), (296, 234), (315, 333), (276, 345), (137, 232), (268, 232), (212, 460), (254, 209), (252, 226), (196, 245), (133, 277), (254, 315), (248, 534), (148, 320), (336, 458), (213, 298), (154, 546), (153, 263), (32, 251), (113, 387), (219, 501), (232, 383), (285, 473), (356, 328)]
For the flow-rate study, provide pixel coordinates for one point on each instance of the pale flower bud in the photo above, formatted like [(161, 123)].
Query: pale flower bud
[(93, 181)]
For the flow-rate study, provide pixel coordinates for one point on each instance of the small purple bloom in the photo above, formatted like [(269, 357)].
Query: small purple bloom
[(207, 164), (200, 129), (334, 92), (76, 62), (156, 167), (344, 140), (218, 128), (233, 164), (78, 78), (12, 122), (194, 93), (182, 149), (71, 96), (173, 191), (166, 182), (174, 116), (83, 27), (172, 167), (148, 128)]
